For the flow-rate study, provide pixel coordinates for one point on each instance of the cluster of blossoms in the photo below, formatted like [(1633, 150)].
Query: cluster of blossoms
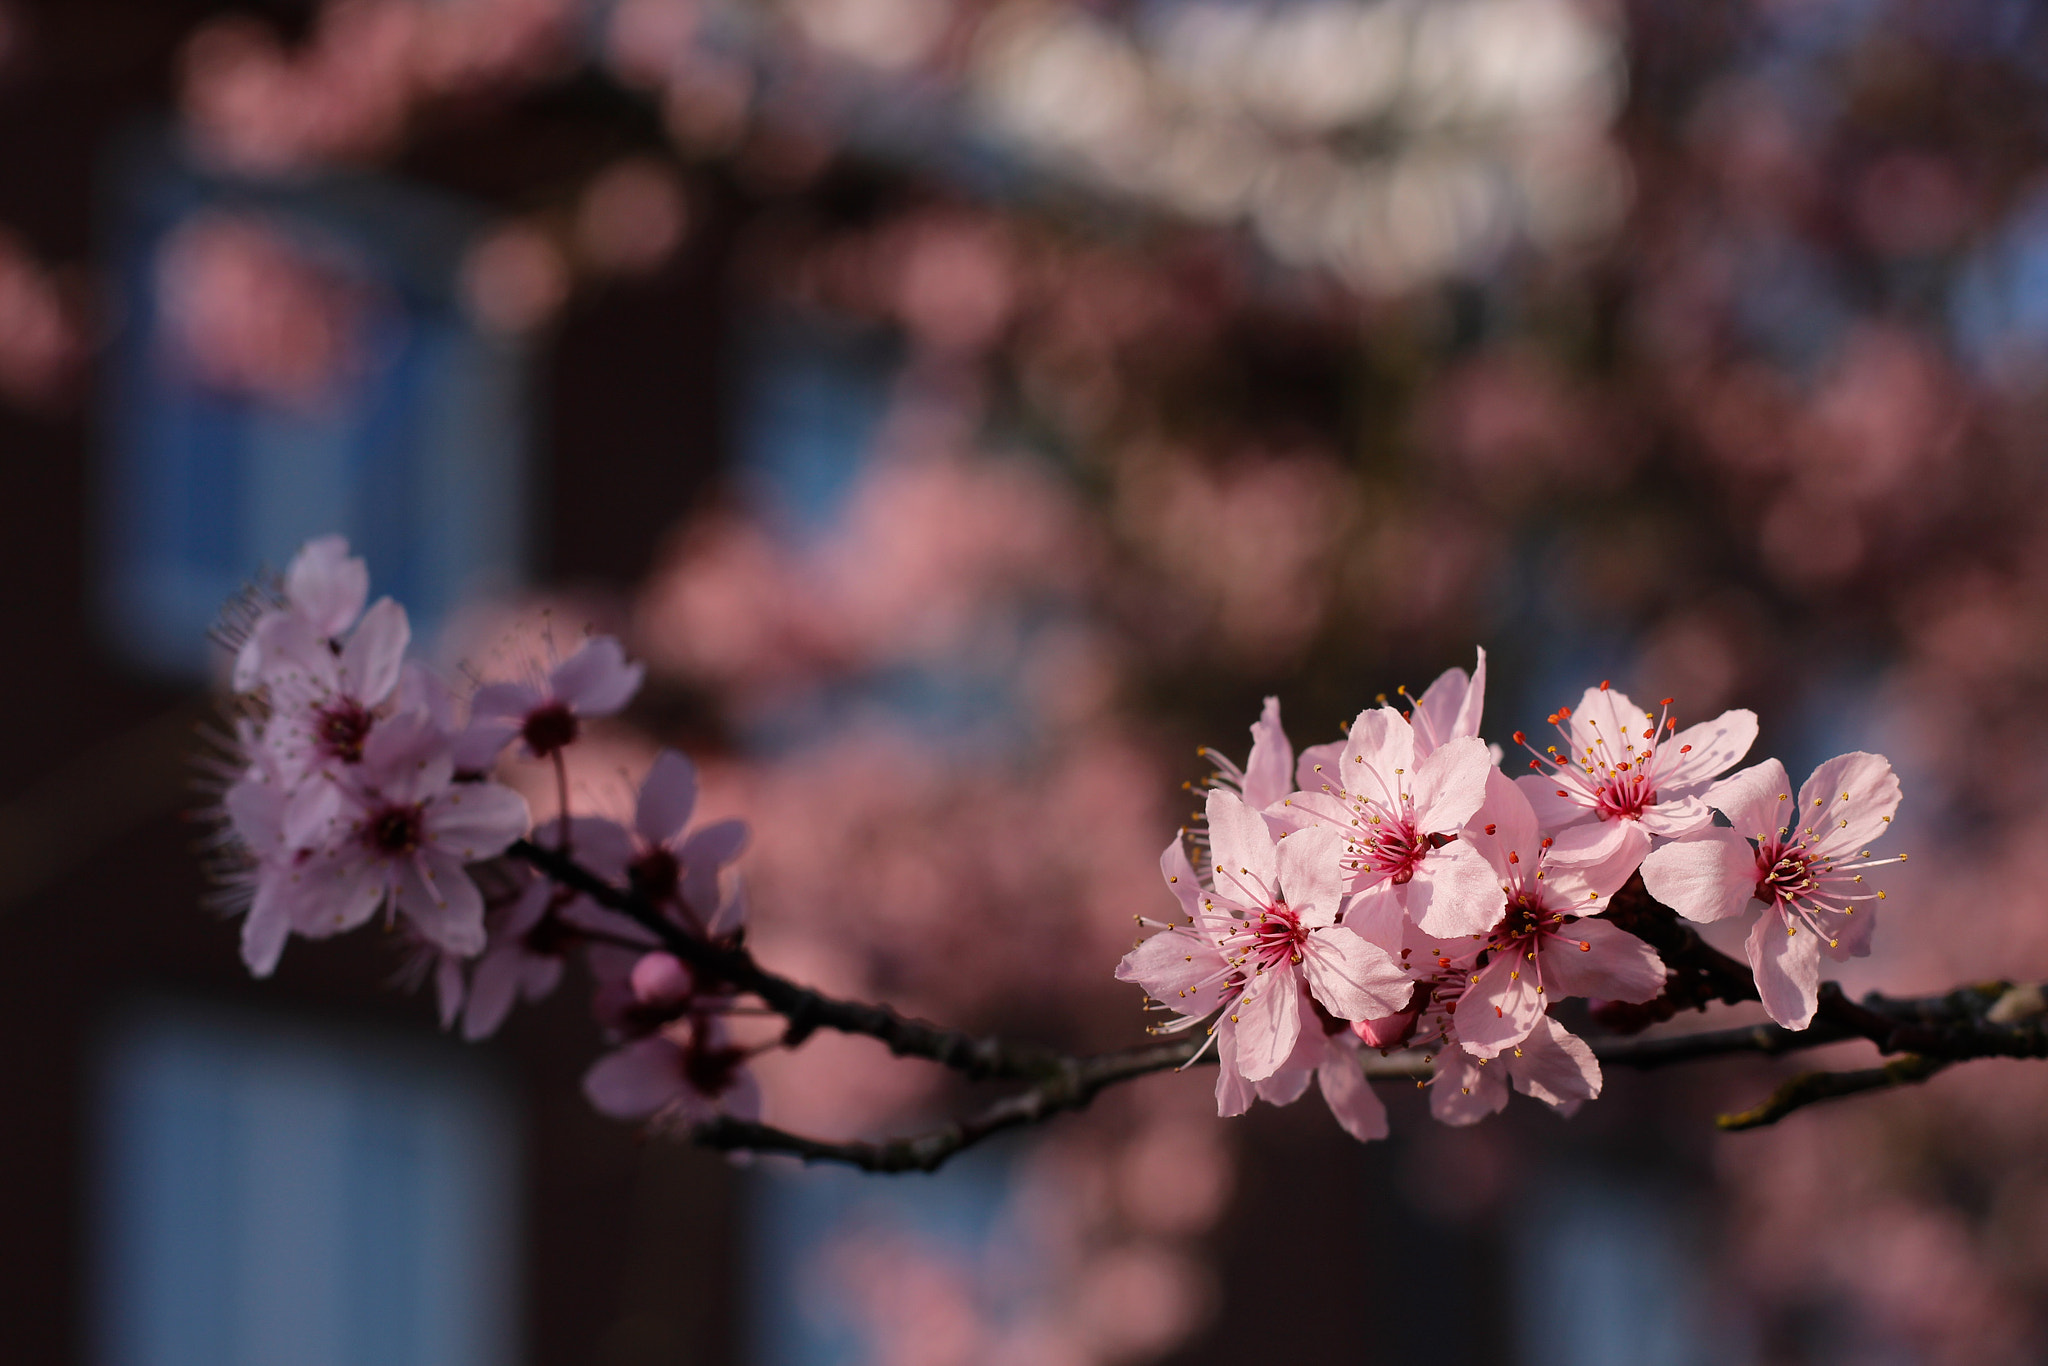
[(360, 786), (1397, 889)]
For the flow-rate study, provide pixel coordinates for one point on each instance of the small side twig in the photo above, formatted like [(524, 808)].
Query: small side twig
[(1809, 1088)]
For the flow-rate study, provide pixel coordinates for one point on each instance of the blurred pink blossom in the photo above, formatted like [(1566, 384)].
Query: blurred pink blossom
[(41, 341), (252, 310)]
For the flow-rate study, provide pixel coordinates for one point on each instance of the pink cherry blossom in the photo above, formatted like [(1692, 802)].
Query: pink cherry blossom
[(684, 1074), (1623, 777), (393, 831), (1803, 862), (254, 807), (1544, 949), (1552, 1064), (521, 960), (1268, 773), (1265, 929), (324, 592), (531, 933), (324, 702), (1449, 709), (548, 713), (1326, 1053), (682, 870), (1400, 818), (1548, 1062)]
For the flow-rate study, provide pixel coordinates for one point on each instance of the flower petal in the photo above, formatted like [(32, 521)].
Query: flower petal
[(1179, 968), (1454, 892), (1754, 800), (480, 743), (449, 988), (326, 585), (1269, 771), (1504, 823), (473, 821), (264, 931), (1181, 879), (1673, 816), (1705, 876), (1556, 1066), (1311, 866), (443, 904), (1848, 802), (1379, 756), (1234, 1095), (596, 680), (1583, 886), (492, 988), (1450, 784), (1550, 798), (1378, 915), (504, 702), (1350, 1096), (374, 655), (1318, 764), (641, 1079), (667, 797), (1613, 964), (1247, 869), (1465, 1089), (1717, 746), (1787, 968), (1500, 1005), (1354, 978), (1610, 725), (1286, 1086), (1268, 1021)]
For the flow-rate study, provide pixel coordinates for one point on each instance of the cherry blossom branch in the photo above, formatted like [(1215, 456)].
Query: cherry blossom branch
[(1993, 1019)]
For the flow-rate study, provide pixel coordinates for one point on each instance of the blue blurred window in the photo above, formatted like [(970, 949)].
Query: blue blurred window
[(295, 358), (287, 1197)]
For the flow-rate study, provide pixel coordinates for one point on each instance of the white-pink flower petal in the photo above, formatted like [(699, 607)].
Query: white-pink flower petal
[(1705, 876)]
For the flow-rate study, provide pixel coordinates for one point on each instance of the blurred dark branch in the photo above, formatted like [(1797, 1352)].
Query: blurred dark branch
[(1992, 1019), (1074, 1083), (1808, 1087)]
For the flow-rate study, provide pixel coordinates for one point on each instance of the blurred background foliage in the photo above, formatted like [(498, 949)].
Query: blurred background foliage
[(969, 408)]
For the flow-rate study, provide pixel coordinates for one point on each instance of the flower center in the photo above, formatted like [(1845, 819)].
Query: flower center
[(1278, 937), (1627, 792), (1615, 776), (655, 874), (549, 728), (549, 937), (1394, 850), (1526, 917), (341, 728), (395, 830), (1788, 875), (711, 1070)]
